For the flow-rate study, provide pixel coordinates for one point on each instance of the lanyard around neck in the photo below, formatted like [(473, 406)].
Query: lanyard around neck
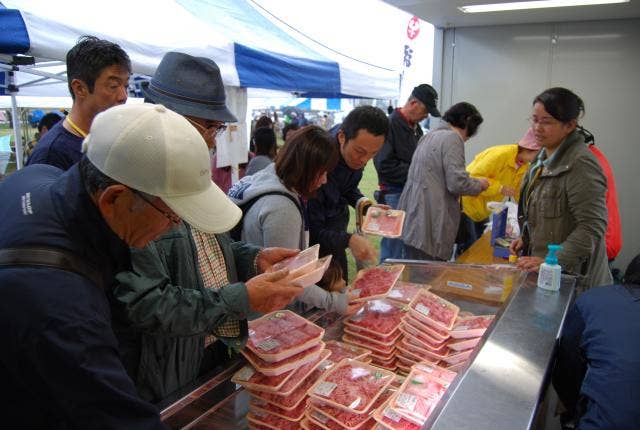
[(77, 129)]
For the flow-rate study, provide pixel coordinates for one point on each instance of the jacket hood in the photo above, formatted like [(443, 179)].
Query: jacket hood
[(261, 182)]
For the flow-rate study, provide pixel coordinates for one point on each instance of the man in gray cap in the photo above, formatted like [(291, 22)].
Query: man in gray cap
[(393, 160), (189, 285)]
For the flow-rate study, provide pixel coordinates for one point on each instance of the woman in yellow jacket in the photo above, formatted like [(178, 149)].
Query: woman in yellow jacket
[(504, 167)]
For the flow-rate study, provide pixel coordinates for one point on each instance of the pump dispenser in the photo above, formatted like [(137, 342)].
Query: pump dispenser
[(550, 271)]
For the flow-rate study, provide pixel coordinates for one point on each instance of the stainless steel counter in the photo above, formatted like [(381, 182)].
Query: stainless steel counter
[(502, 387)]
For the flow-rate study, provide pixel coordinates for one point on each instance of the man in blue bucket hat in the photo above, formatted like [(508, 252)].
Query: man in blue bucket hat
[(190, 292)]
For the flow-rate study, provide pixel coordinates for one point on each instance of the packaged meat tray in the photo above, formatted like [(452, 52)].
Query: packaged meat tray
[(383, 358), (259, 405), (292, 400), (435, 335), (351, 385), (349, 420), (437, 371), (424, 341), (282, 334), (375, 349), (473, 326), (307, 424), (417, 343), (384, 222), (462, 344), (457, 367), (458, 357), (376, 340), (249, 377), (421, 352), (402, 367), (433, 310), (271, 421), (404, 292), (315, 274), (299, 264), (291, 363), (375, 282), (407, 355), (340, 350), (418, 396), (379, 317), (390, 419), (390, 366)]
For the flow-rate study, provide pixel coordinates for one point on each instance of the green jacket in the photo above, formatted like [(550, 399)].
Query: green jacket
[(566, 206), (162, 312)]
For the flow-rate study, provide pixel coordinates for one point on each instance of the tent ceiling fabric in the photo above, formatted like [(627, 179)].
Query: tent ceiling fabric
[(250, 50)]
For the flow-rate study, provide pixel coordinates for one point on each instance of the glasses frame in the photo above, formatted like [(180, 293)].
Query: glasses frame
[(214, 130), (543, 122), (173, 218)]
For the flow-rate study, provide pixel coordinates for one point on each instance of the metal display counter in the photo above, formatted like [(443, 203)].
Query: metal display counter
[(500, 387)]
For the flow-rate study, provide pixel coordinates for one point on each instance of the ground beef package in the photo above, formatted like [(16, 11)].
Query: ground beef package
[(384, 222), (375, 282), (433, 310)]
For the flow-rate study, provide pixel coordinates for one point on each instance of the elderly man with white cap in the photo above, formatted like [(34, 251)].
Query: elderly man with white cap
[(185, 295), (63, 238)]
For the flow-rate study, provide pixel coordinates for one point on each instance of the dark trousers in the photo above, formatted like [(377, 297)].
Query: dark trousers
[(411, 253)]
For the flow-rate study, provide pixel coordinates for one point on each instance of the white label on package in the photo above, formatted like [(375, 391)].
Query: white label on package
[(462, 328), (373, 226), (392, 415), (460, 285), (245, 373), (355, 293), (325, 365), (493, 290), (325, 388), (422, 309), (407, 401), (268, 344), (320, 417)]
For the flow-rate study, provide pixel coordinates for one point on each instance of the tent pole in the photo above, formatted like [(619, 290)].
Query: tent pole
[(15, 119)]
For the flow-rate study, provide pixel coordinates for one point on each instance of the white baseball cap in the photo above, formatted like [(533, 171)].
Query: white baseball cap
[(152, 149)]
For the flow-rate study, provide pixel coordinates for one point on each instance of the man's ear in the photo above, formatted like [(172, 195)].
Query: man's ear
[(341, 137), (107, 201), (79, 88)]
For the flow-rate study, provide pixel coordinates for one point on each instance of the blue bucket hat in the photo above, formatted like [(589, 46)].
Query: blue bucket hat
[(189, 86)]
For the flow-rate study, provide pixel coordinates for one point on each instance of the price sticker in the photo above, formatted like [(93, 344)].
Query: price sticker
[(268, 344), (245, 373), (407, 401), (392, 415), (460, 285), (423, 309), (325, 388)]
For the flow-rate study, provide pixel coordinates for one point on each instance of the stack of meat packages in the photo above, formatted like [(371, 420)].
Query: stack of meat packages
[(286, 357), (434, 330), (347, 395), (409, 407)]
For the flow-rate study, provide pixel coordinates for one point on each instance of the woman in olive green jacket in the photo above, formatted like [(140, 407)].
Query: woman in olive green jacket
[(562, 198)]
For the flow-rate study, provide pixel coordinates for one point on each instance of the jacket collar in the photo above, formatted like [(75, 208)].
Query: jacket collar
[(564, 158)]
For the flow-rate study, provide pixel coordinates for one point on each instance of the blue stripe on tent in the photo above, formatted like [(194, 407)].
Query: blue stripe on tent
[(334, 104), (262, 69), (14, 38), (3, 78)]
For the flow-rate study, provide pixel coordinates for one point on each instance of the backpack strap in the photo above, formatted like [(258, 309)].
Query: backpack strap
[(236, 232), (50, 257)]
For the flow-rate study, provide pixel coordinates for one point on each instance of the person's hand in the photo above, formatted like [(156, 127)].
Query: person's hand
[(484, 183), (507, 191), (267, 257), (268, 292), (353, 308), (362, 249), (383, 207), (516, 246), (529, 264)]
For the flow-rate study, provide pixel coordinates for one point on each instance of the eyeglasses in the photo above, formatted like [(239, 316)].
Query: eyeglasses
[(215, 130), (173, 218), (542, 122)]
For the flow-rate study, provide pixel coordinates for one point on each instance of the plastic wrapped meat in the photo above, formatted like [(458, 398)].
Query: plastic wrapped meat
[(300, 261), (473, 326), (340, 350), (282, 334), (375, 282), (292, 400), (437, 371), (435, 336), (404, 292), (307, 424), (351, 385), (424, 341), (462, 344), (373, 338), (384, 222), (424, 353), (417, 397), (375, 349), (296, 414), (379, 317), (434, 310), (346, 419), (291, 363), (390, 419), (272, 421)]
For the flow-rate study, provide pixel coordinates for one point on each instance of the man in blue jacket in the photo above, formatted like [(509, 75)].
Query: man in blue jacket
[(63, 238), (359, 137), (597, 375)]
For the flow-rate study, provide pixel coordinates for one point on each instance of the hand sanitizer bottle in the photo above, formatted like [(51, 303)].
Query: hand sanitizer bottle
[(550, 271)]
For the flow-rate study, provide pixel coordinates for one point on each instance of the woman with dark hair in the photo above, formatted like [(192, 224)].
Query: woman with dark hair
[(275, 201), (436, 180), (562, 199)]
